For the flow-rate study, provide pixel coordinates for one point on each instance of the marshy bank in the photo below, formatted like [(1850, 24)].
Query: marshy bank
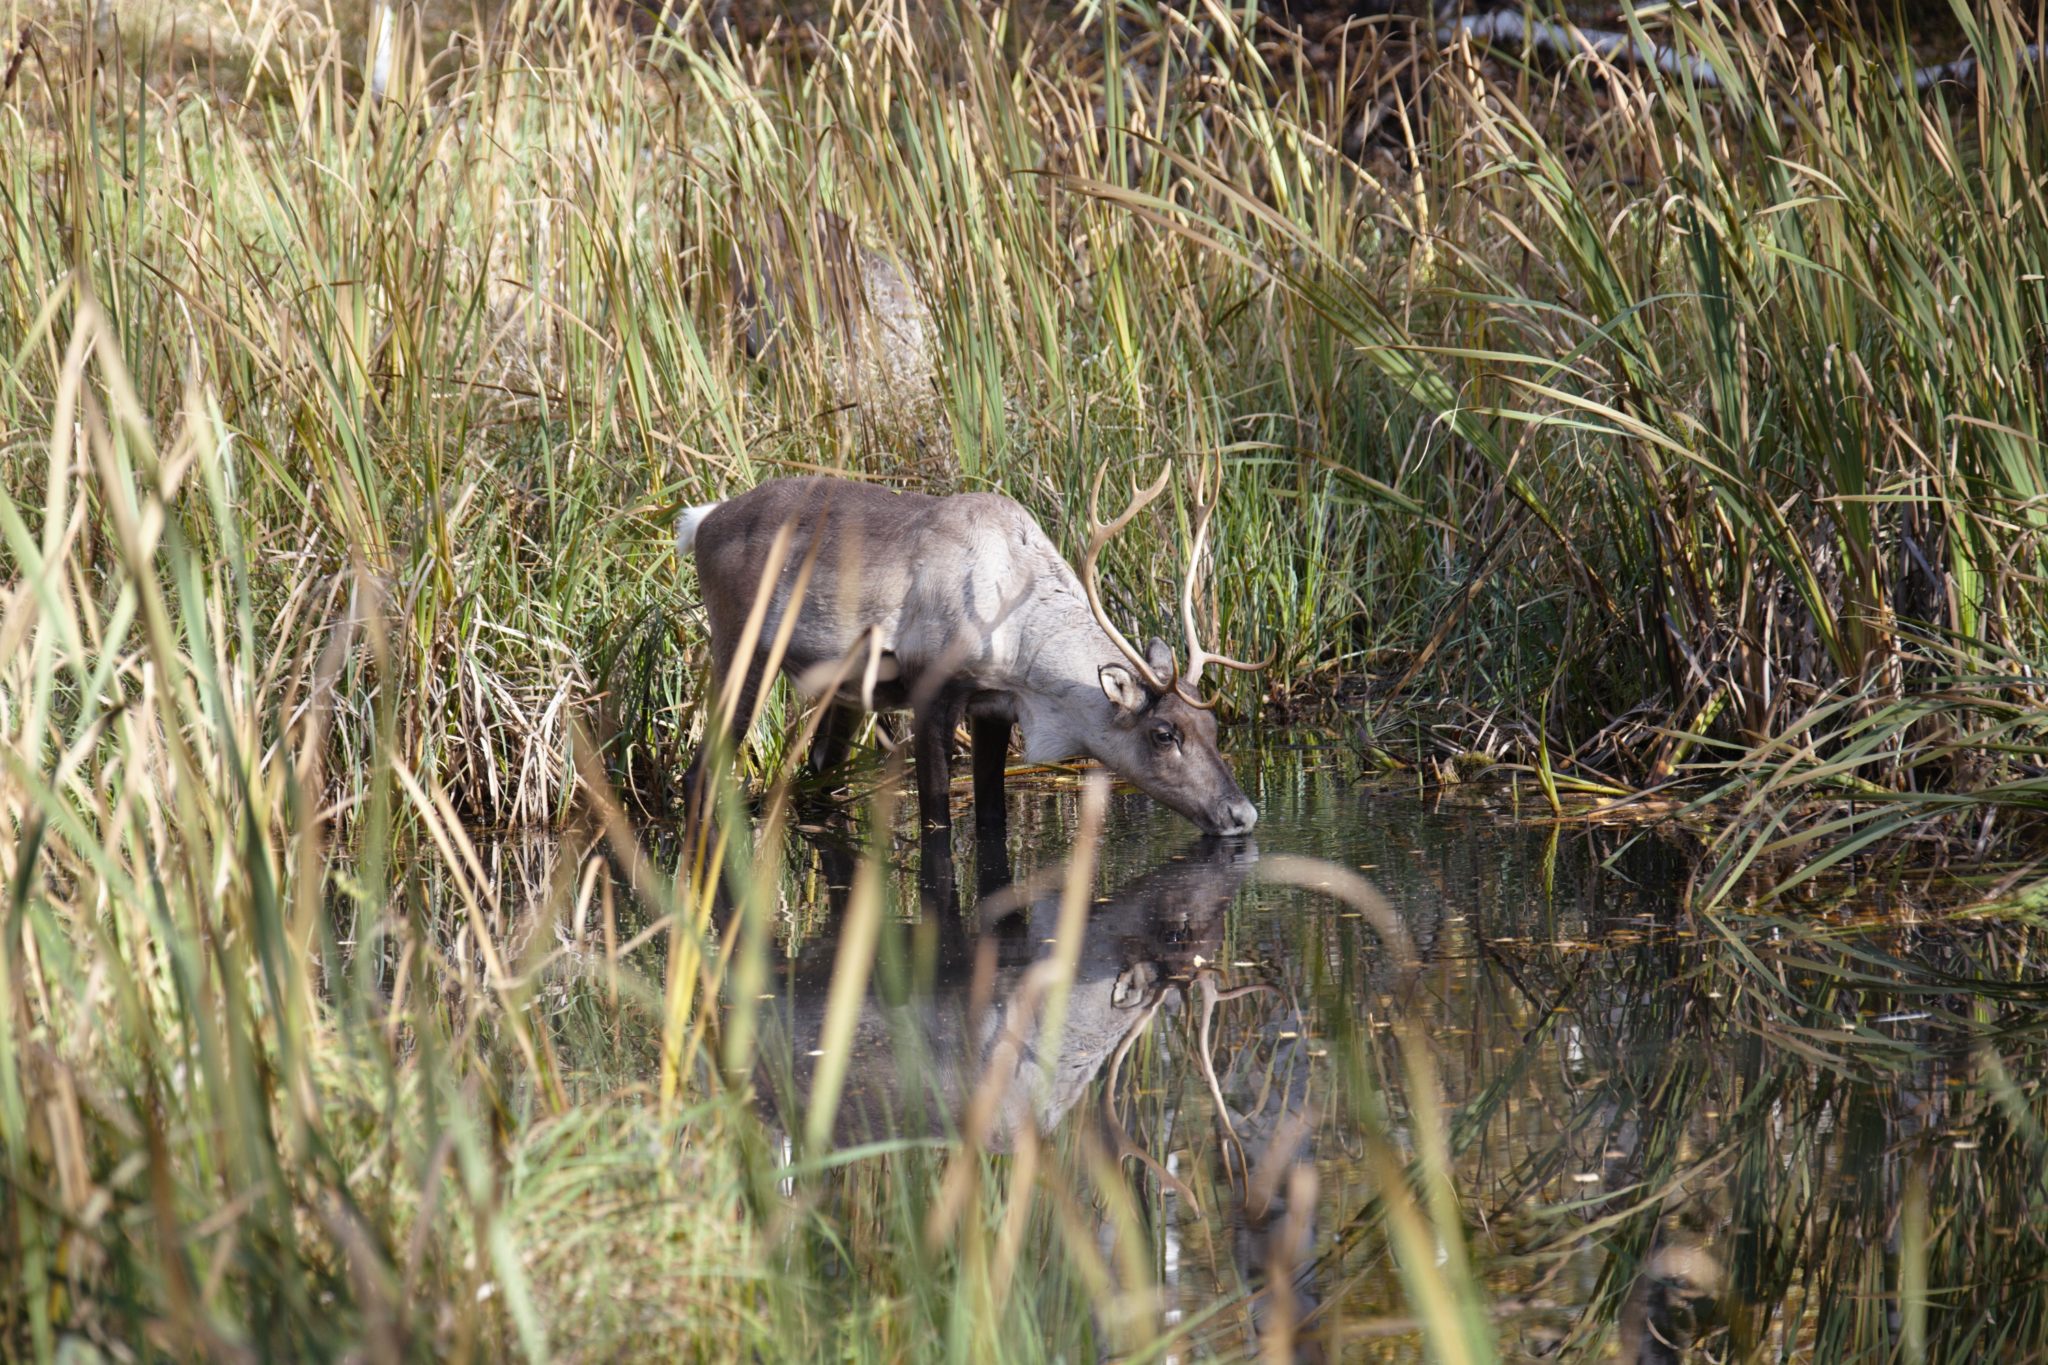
[(1597, 430), (1523, 1107)]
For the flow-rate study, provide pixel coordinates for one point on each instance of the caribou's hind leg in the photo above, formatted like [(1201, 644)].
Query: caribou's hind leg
[(718, 740), (931, 734), (834, 740)]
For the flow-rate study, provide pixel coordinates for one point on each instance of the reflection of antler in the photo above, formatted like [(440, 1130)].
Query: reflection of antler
[(1008, 1066), (1271, 1172), (1205, 982), (1121, 1143)]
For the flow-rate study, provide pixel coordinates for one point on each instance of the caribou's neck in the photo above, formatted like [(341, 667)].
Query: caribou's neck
[(1057, 682)]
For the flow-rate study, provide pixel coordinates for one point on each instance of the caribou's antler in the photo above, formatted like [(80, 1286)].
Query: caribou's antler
[(1198, 656), (1099, 533), (1188, 681)]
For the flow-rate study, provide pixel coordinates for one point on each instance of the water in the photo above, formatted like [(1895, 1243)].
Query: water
[(1754, 1135)]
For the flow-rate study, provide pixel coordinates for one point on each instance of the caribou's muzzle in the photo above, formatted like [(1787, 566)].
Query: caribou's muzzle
[(1235, 815)]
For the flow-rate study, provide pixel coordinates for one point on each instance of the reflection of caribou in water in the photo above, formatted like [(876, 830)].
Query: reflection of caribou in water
[(980, 1026), (969, 1054)]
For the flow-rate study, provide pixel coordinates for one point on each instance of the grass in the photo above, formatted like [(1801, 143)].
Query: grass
[(1636, 435)]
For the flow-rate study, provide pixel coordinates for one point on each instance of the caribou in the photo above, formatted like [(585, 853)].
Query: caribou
[(954, 608)]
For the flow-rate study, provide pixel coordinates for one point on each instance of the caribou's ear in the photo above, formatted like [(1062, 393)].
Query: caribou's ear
[(1159, 658), (1122, 688)]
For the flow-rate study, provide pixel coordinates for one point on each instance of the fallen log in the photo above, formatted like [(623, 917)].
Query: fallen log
[(1506, 28)]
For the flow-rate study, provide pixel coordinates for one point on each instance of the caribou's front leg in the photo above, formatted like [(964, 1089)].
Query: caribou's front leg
[(991, 759), (932, 735)]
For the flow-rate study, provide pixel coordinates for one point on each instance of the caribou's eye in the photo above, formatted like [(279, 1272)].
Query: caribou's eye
[(1165, 737)]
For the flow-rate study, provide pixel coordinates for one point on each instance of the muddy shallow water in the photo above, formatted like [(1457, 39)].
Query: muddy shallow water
[(1810, 1132)]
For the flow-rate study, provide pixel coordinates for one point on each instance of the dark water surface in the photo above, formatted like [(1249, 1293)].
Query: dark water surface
[(1808, 1133)]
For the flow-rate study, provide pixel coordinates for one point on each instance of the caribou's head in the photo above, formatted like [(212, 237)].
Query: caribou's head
[(1164, 742), (1161, 734)]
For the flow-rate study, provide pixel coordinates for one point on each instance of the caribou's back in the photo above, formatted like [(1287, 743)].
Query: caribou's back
[(930, 575)]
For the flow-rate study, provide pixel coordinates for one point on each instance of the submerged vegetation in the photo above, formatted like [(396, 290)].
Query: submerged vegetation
[(1639, 436)]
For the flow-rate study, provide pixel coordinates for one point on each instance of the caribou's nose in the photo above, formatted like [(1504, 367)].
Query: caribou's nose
[(1239, 815)]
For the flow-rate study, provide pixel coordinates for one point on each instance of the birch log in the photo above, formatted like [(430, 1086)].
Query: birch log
[(1506, 28)]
